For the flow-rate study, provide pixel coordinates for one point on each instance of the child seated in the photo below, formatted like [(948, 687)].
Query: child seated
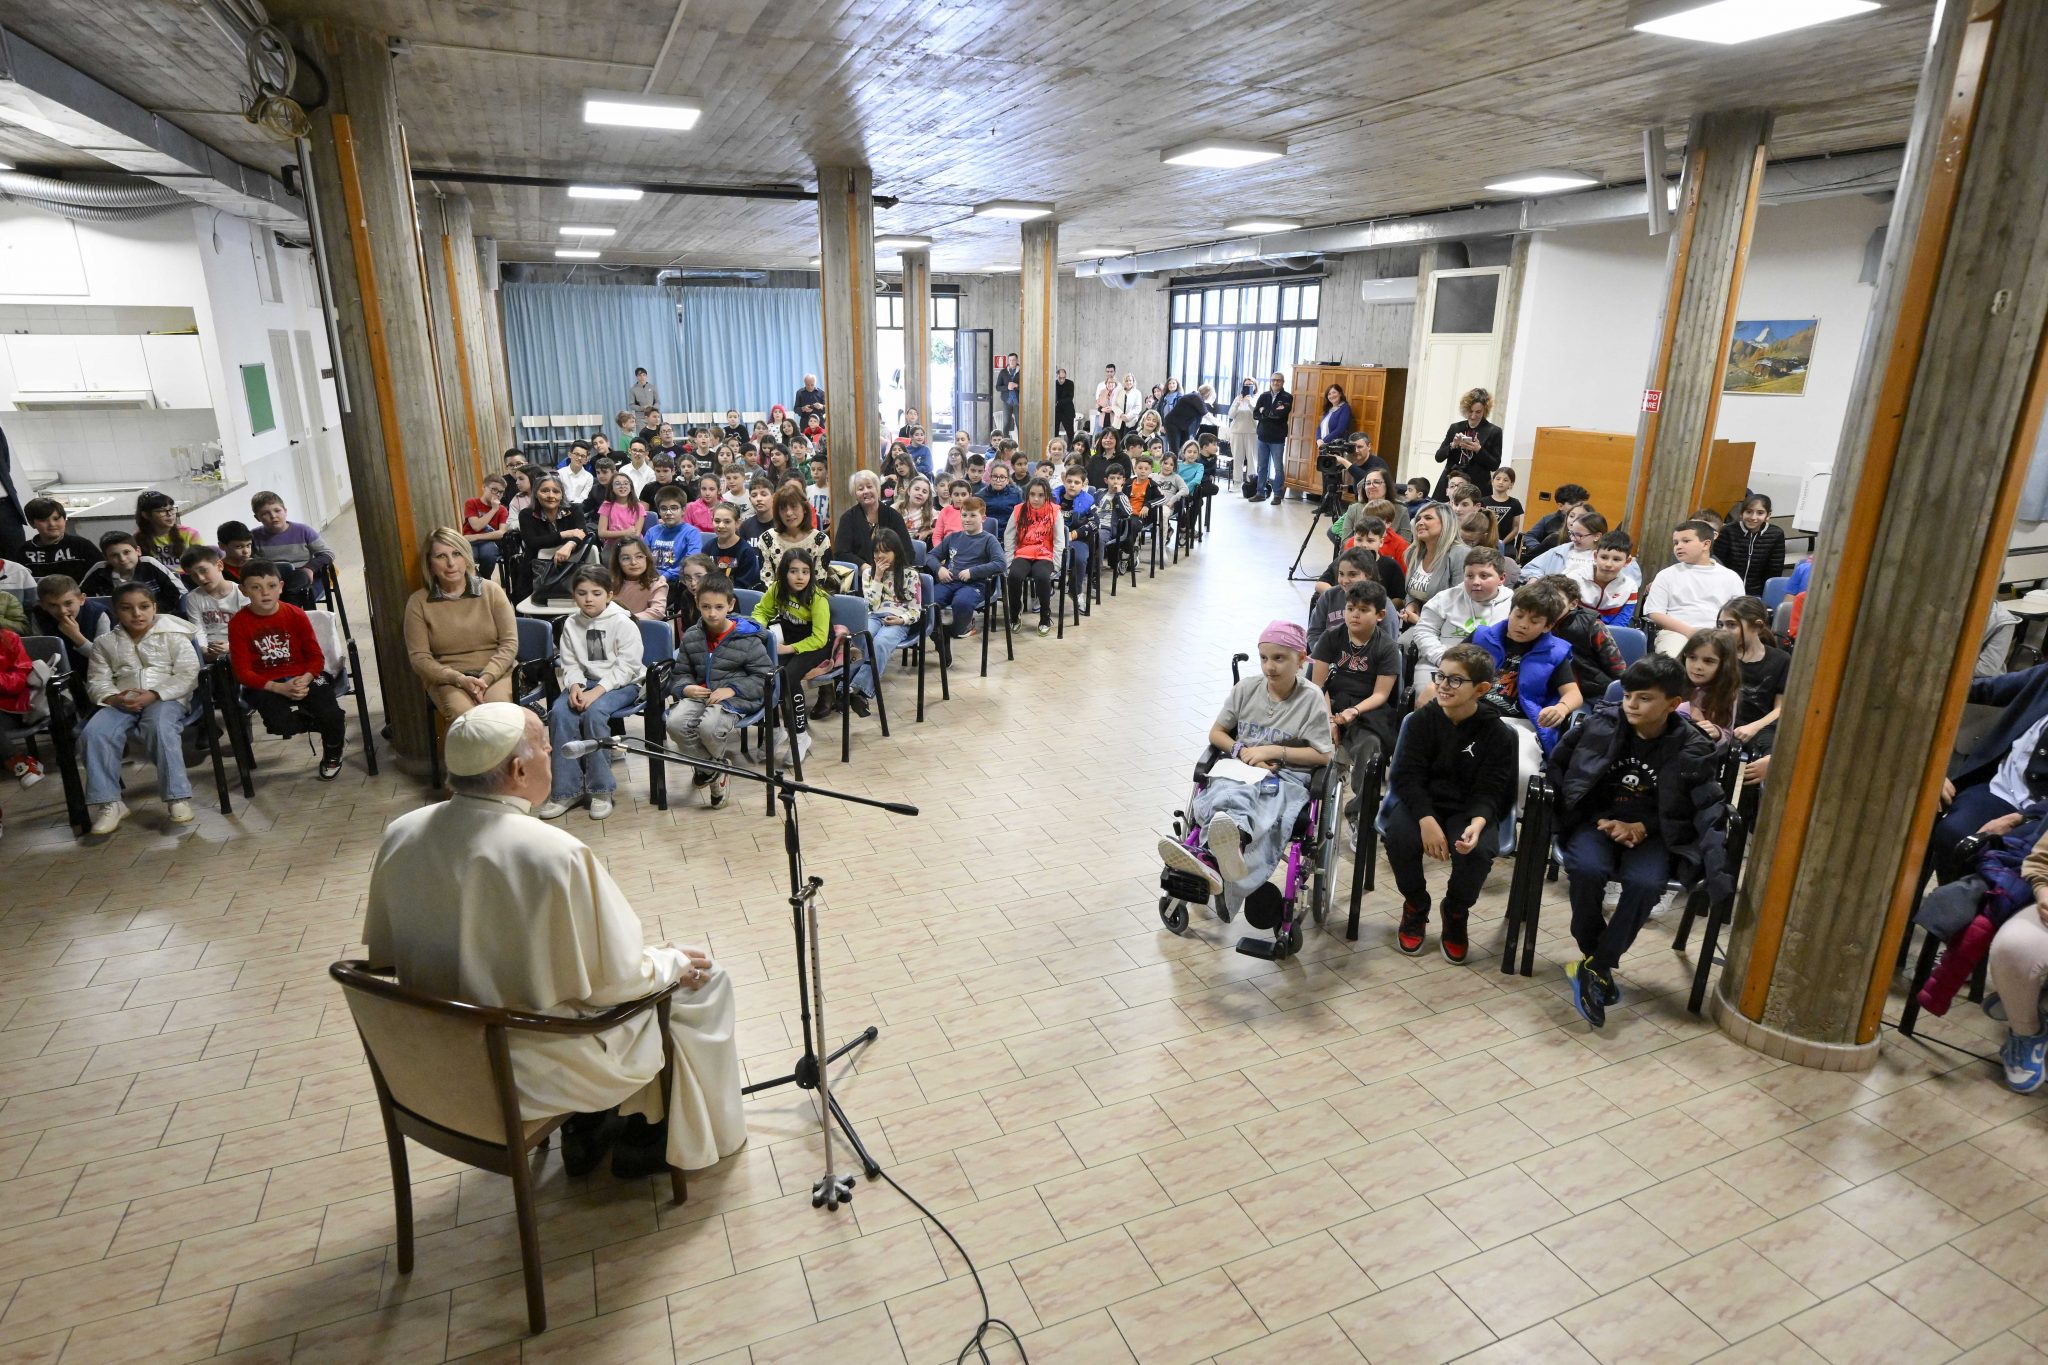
[(277, 659), (22, 704), (1616, 579), (1418, 495), (1636, 802), (1356, 665), (53, 548), (1277, 721), (238, 544), (1535, 688), (1687, 594), (1454, 615), (1549, 530), (1713, 666), (967, 563), (598, 662), (1453, 790), (1077, 504), (122, 563), (736, 558), (671, 539), (1326, 612), (724, 664), (294, 547), (1596, 658), (213, 601), (142, 675), (637, 586), (799, 609), (63, 611)]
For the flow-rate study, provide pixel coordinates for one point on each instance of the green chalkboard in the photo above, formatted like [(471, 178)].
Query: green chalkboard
[(256, 386)]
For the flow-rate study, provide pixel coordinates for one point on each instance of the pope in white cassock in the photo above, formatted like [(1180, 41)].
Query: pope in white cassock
[(475, 900)]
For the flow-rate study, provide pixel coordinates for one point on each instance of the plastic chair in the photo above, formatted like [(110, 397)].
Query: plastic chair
[(658, 652), (1775, 591), (343, 666), (1632, 643), (850, 615), (207, 694), (927, 634), (444, 1078)]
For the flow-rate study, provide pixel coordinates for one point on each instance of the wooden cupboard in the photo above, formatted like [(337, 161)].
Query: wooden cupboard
[(1377, 396), (1600, 461)]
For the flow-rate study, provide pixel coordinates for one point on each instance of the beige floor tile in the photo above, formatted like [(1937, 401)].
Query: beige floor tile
[(932, 1324), (660, 1263), (1103, 1196), (1698, 1210), (864, 1335), (1586, 1173), (1769, 1347), (1299, 1280), (639, 1333), (1640, 1322), (1611, 1246), (1515, 1286), (1854, 1147), (1420, 1322), (1956, 1296), (1498, 1207), (1735, 1291), (1779, 1178), (1397, 1169), (406, 1332), (1544, 1344), (66, 1298), (2013, 1248), (301, 1299), (1186, 1322), (871, 1269), (1194, 1237), (1980, 1186), (1863, 1327), (1010, 1162), (1308, 1132), (1483, 1139), (1077, 1277), (1402, 1241), (489, 1313), (1823, 1252), (1090, 1340), (168, 1334), (749, 1307), (1903, 1218), (1116, 1130), (1299, 1201), (1319, 1339), (1196, 1168), (1387, 1107)]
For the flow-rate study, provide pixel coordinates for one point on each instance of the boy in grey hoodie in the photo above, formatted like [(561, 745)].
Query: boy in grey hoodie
[(599, 664)]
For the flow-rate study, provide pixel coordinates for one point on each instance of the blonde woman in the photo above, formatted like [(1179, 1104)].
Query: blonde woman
[(460, 634), (1471, 446)]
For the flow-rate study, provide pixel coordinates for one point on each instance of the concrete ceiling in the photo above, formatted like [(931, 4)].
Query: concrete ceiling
[(1389, 106)]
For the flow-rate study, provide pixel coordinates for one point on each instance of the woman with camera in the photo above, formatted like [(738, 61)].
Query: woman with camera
[(1471, 447), (1243, 425)]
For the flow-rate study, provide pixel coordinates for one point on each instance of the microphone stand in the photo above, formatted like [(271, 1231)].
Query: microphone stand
[(812, 1071)]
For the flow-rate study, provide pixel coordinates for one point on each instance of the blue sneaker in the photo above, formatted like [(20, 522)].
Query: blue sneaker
[(2026, 1061), (1586, 991)]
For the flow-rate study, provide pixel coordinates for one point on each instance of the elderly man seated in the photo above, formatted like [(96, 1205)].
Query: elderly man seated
[(475, 900)]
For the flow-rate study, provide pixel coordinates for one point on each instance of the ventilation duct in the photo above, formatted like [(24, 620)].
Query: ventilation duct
[(1118, 281), (90, 201)]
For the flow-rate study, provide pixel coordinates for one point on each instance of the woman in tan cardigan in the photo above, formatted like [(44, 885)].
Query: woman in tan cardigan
[(459, 630)]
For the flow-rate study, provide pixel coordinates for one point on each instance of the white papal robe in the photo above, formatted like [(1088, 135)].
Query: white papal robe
[(475, 900)]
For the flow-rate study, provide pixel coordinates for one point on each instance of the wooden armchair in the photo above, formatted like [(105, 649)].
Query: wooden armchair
[(443, 1071)]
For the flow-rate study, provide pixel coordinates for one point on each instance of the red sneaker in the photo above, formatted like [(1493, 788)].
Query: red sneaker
[(1452, 940), (1414, 924)]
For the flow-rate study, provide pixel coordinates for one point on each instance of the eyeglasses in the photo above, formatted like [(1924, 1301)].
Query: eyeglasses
[(1449, 681)]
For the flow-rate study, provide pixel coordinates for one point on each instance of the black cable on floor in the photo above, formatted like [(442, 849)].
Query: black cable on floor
[(1893, 1025), (975, 1343)]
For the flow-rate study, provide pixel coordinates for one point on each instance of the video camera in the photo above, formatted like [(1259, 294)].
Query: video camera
[(1334, 456)]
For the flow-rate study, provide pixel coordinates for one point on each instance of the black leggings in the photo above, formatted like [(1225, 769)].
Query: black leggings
[(794, 666), (319, 710), (1039, 571)]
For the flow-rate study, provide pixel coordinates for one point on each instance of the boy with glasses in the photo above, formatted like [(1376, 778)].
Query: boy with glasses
[(1453, 786)]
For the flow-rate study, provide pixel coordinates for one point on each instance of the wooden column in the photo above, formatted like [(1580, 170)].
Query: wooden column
[(1037, 325), (397, 452), (446, 322), (493, 431), (917, 332), (504, 434), (1717, 201), (846, 282), (1943, 413)]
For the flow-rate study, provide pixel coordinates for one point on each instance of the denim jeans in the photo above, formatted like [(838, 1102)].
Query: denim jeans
[(487, 556), (592, 773), (1271, 469), (162, 724), (964, 598), (1591, 860), (868, 673), (701, 731)]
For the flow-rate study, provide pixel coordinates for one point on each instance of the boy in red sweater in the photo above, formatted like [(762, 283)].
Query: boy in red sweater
[(277, 660)]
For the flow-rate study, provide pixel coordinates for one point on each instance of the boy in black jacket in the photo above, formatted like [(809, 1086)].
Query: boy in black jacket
[(1454, 787), (1637, 801)]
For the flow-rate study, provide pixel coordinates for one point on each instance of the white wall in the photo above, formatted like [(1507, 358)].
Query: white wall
[(197, 260), (1589, 311)]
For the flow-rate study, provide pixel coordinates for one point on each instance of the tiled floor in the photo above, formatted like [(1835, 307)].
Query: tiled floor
[(1156, 1149)]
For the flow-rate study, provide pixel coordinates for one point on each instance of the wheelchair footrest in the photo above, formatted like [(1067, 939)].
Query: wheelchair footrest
[(1184, 886), (1270, 949)]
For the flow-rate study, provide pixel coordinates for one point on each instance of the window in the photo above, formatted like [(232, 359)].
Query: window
[(1219, 334)]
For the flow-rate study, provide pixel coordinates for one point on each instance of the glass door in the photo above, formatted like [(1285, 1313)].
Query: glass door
[(973, 380)]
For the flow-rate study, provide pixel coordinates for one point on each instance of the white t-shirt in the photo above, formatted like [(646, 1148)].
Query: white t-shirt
[(2009, 783), (1694, 593)]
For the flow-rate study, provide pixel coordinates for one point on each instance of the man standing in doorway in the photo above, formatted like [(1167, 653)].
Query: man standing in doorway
[(644, 395), (1271, 413), (1105, 400), (1063, 405), (1007, 385), (810, 402)]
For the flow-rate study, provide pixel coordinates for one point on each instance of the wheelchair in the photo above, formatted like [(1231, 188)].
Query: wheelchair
[(1311, 864)]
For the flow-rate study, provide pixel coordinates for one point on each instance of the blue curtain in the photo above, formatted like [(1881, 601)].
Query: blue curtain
[(572, 348), (747, 348)]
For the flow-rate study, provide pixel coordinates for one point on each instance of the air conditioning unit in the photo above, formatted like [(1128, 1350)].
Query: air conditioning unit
[(1400, 290), (55, 400), (1813, 498)]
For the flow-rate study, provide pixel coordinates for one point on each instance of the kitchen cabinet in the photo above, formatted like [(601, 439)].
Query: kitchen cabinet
[(177, 373), (44, 364), (111, 364)]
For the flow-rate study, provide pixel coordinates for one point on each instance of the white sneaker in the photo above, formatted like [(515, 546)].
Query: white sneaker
[(803, 745), (107, 818), (180, 812), (554, 810), (1226, 845), (600, 808), (1666, 903), (1181, 858)]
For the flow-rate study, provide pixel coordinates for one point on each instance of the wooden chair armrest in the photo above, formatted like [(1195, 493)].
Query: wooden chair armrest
[(363, 976)]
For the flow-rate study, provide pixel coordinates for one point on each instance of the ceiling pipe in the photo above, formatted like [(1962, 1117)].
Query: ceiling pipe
[(786, 193), (1785, 182)]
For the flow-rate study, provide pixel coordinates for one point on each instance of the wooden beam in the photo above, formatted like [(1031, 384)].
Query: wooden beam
[(1724, 166), (1037, 324), (846, 276), (917, 332), (1957, 341)]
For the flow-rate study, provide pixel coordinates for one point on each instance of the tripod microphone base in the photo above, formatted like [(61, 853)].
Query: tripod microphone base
[(804, 1076), (832, 1191)]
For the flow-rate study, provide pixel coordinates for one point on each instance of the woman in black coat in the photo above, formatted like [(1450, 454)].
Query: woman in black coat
[(1063, 406), (853, 541), (1471, 446)]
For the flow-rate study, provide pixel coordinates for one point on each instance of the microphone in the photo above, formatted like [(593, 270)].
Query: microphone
[(577, 748)]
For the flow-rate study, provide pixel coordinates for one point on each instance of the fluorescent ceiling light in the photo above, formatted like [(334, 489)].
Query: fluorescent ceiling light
[(640, 111), (625, 192), (900, 241), (6, 165), (814, 262), (1222, 153), (1022, 210), (1000, 269), (571, 230), (1737, 21), (1264, 225), (1101, 251), (1542, 182), (571, 253)]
